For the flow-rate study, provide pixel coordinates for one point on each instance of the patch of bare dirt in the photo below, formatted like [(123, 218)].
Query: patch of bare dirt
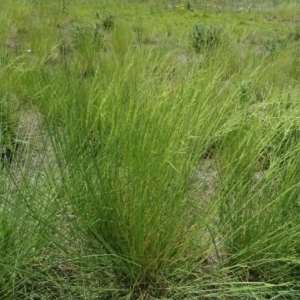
[(206, 179), (12, 42), (32, 155)]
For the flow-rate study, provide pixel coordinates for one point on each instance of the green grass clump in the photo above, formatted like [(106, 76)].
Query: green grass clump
[(205, 37), (134, 166), (159, 158)]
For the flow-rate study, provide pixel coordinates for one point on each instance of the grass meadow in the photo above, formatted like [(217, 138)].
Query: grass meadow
[(150, 149)]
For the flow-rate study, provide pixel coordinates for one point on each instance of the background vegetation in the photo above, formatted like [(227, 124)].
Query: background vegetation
[(149, 149)]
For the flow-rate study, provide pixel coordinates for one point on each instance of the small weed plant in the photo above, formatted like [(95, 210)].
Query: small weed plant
[(205, 37), (108, 21)]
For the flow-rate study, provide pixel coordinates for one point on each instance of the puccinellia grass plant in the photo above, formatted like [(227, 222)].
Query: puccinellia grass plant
[(129, 163), (155, 171)]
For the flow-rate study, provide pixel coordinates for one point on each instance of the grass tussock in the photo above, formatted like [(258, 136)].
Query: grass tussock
[(149, 162)]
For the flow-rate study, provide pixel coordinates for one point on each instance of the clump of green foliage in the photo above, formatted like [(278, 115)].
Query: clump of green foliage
[(205, 37), (108, 21)]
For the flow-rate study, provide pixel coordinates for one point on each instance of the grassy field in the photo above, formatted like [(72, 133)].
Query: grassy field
[(150, 149)]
